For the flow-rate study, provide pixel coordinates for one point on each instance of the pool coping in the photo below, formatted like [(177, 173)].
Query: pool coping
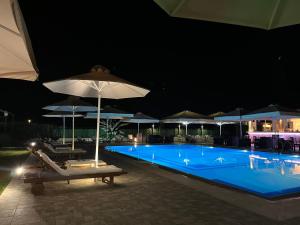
[(276, 209)]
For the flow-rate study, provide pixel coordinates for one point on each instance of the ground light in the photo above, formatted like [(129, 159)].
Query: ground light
[(19, 171)]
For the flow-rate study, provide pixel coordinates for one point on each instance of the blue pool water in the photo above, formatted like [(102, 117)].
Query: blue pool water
[(262, 173)]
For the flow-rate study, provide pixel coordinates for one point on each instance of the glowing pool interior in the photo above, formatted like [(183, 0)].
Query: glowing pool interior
[(266, 174)]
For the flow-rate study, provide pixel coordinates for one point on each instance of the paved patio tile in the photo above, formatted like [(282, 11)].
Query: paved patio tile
[(140, 198), (5, 220), (7, 213)]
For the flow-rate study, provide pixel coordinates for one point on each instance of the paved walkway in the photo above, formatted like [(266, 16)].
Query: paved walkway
[(139, 198)]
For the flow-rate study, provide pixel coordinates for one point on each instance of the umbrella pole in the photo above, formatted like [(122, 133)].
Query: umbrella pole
[(186, 129), (97, 133), (64, 130), (73, 125), (138, 133), (106, 129), (179, 130), (241, 131), (220, 130)]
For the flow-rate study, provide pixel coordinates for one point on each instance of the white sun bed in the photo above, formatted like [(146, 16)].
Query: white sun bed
[(37, 179)]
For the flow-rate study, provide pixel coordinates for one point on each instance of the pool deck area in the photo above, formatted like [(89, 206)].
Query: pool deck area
[(146, 195)]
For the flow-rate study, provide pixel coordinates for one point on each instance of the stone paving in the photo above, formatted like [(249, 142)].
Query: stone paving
[(138, 198)]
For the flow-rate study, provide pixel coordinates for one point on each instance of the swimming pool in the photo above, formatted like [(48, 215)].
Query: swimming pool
[(265, 174)]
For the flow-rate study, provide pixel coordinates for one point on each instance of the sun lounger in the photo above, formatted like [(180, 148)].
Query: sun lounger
[(38, 177), (60, 145), (65, 164), (63, 150)]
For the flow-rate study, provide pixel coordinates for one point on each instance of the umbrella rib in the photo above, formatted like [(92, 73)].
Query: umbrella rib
[(94, 86), (9, 30), (102, 86)]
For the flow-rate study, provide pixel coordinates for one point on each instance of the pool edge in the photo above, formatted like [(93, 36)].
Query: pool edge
[(278, 210)]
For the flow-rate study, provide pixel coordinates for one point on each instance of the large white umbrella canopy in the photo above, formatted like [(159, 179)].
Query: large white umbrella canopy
[(140, 118), (99, 83), (265, 14), (16, 55), (63, 115), (72, 104)]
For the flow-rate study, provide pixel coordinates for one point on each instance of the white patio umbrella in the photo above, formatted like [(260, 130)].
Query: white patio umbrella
[(109, 113), (62, 115), (72, 104), (221, 123), (187, 117), (99, 83), (16, 55), (235, 115), (140, 118), (265, 14)]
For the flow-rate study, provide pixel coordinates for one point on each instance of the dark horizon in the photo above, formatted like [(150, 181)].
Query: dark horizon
[(187, 64)]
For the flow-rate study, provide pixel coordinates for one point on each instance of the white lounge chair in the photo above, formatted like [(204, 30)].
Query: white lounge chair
[(38, 178)]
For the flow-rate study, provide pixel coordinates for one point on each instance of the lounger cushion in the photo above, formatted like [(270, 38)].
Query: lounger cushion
[(92, 170), (84, 161)]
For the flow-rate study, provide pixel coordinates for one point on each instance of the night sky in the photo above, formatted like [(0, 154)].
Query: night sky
[(187, 64)]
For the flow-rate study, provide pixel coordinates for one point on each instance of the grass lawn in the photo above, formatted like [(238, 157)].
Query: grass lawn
[(9, 160)]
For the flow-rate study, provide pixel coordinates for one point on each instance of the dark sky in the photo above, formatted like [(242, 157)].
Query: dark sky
[(187, 64)]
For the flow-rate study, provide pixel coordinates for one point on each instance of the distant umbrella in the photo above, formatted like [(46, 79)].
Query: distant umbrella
[(232, 116), (187, 117), (219, 123), (213, 115), (62, 115), (141, 118), (71, 104), (109, 112), (99, 83)]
